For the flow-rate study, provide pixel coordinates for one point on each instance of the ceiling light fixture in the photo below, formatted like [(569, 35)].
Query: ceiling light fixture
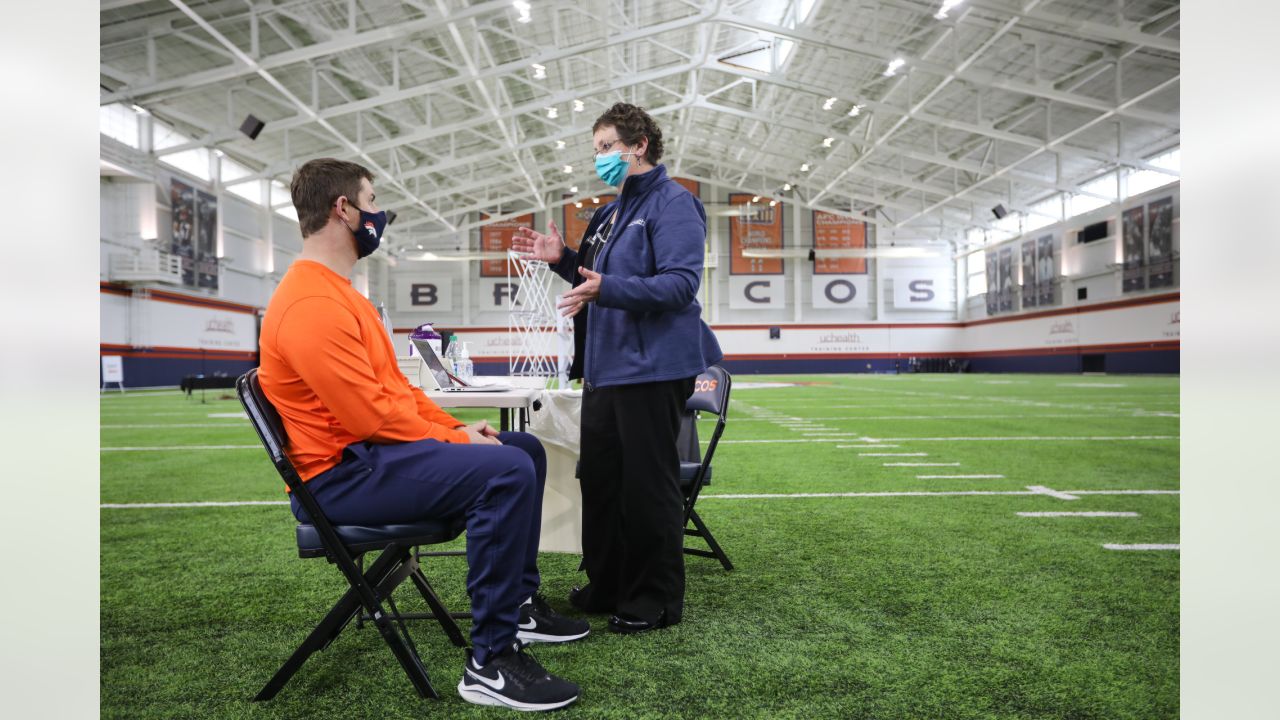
[(946, 6), (755, 199), (578, 204), (773, 203), (853, 111), (559, 144), (804, 167), (573, 189), (523, 8), (539, 71), (786, 187), (595, 200), (552, 113), (568, 169), (829, 103), (893, 67), (578, 106), (826, 142)]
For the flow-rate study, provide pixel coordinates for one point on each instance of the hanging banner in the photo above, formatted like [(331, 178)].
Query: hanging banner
[(206, 255), (429, 293), (497, 237), (993, 282), (182, 213), (922, 288), (1029, 295), (756, 226), (1134, 238), (1045, 269), (576, 219), (838, 232), (692, 186), (1006, 278), (1160, 218), (747, 292)]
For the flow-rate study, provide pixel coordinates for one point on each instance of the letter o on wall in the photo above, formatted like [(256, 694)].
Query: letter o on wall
[(845, 296)]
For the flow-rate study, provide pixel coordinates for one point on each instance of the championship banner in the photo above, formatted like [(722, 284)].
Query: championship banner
[(838, 232), (206, 240), (1006, 278), (993, 283), (577, 218), (1134, 225), (1160, 217), (496, 237), (1029, 295), (692, 186), (756, 226), (182, 214), (1045, 271)]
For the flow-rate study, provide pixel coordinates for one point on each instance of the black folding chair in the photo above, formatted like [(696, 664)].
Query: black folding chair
[(710, 394), (342, 545)]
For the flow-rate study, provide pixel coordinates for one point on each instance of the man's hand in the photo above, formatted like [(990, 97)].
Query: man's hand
[(481, 433), (536, 246), (572, 302)]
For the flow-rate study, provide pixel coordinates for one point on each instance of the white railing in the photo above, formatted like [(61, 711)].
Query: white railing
[(148, 265)]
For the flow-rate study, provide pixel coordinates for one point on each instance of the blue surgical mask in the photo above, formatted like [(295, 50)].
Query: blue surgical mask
[(369, 232), (612, 168)]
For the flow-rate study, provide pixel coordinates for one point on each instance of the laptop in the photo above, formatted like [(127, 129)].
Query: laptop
[(444, 380)]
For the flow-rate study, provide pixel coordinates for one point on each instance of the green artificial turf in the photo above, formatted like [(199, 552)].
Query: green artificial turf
[(937, 606)]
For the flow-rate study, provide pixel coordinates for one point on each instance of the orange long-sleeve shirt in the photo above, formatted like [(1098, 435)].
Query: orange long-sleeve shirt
[(330, 371)]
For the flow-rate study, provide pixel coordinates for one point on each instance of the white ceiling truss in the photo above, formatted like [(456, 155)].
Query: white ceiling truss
[(1003, 101)]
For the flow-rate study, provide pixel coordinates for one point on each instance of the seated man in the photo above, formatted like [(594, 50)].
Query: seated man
[(375, 450)]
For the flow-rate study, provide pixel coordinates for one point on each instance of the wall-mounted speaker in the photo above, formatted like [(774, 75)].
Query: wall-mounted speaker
[(391, 216), (999, 211), (775, 333), (252, 126)]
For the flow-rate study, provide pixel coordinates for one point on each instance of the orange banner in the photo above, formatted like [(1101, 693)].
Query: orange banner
[(690, 185), (497, 237), (576, 219), (756, 226), (838, 232)]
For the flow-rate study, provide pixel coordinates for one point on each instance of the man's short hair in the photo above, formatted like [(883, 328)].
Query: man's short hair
[(318, 184), (633, 123)]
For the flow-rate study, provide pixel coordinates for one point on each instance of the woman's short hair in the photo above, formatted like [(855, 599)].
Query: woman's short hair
[(633, 123)]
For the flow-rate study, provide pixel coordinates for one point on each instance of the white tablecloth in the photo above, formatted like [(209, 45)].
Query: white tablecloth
[(556, 422)]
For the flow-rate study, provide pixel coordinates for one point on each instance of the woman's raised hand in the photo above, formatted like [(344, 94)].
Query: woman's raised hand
[(533, 245)]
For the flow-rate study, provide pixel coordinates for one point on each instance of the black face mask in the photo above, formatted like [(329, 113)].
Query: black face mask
[(369, 233)]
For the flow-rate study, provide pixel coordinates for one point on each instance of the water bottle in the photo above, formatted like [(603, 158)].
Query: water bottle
[(466, 370), (452, 356), (428, 333)]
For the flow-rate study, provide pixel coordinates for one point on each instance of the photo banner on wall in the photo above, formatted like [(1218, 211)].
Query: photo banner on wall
[(838, 232), (1006, 278), (1160, 219), (182, 207), (206, 240), (1134, 244), (1029, 295), (496, 237), (755, 226), (993, 282), (577, 218), (1045, 267)]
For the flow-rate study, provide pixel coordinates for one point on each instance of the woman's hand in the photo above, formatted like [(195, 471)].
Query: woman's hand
[(572, 302), (533, 245)]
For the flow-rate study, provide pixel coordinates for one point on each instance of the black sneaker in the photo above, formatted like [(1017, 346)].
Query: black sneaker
[(539, 623), (515, 680)]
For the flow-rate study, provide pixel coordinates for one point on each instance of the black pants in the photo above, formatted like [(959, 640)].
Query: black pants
[(632, 505)]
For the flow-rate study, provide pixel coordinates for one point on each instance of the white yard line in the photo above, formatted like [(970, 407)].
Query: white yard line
[(232, 503), (914, 454), (1042, 490), (959, 477), (1112, 546), (848, 447), (902, 464), (1012, 438), (174, 425), (1077, 514)]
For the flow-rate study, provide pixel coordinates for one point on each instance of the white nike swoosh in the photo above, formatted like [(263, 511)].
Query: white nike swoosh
[(532, 624), (496, 685)]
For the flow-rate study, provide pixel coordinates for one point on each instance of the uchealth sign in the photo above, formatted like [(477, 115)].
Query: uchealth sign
[(755, 292), (840, 291), (922, 288), (424, 293)]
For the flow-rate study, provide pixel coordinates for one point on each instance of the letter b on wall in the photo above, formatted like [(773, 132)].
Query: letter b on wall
[(415, 293)]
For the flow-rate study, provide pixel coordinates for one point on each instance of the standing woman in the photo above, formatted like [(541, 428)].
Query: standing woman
[(639, 343)]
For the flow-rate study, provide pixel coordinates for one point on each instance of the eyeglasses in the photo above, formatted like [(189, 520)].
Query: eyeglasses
[(605, 149)]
